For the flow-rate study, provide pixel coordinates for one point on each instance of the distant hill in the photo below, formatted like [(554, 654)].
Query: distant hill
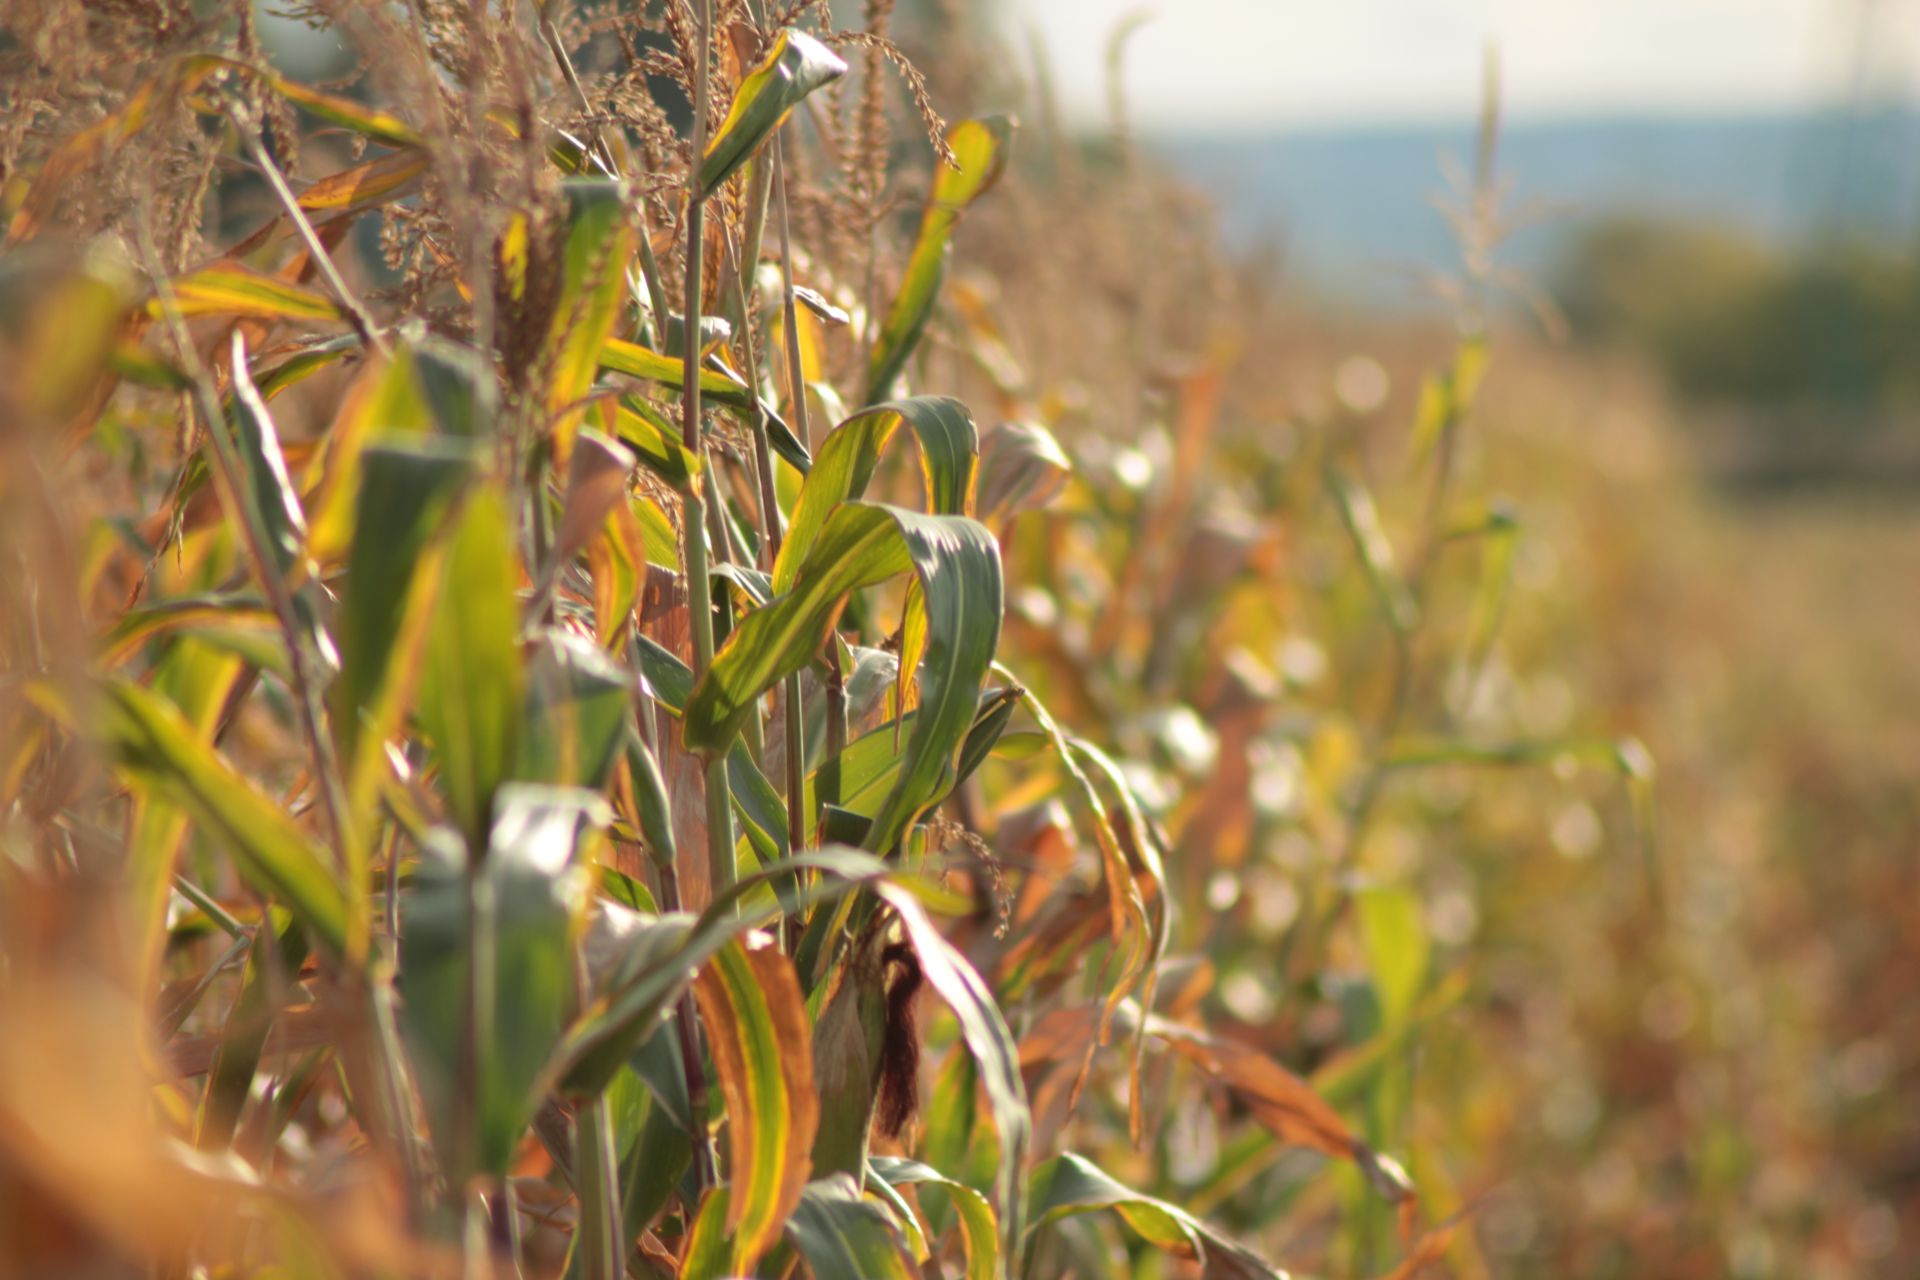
[(1352, 207)]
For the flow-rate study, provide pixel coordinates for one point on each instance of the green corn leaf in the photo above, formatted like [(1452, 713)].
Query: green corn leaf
[(471, 679), (865, 772), (426, 387), (219, 609), (981, 146), (861, 544), (757, 1029), (669, 679), (979, 1232), (196, 677), (636, 361), (229, 289), (654, 441), (949, 457), (663, 952), (841, 1233), (597, 252), (650, 798), (308, 360), (149, 738), (721, 386), (795, 65), (1070, 1184), (456, 383), (659, 1064), (903, 1214), (708, 1252), (576, 719), (517, 966), (406, 491), (757, 802), (348, 114)]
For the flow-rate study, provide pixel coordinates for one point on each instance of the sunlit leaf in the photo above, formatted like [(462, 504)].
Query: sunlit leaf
[(863, 774), (230, 289), (654, 441), (981, 147), (471, 680), (406, 491), (663, 952), (365, 183), (196, 677), (795, 65), (861, 544), (151, 740), (650, 798), (949, 455), (348, 114), (423, 388), (599, 245), (576, 720), (708, 1252), (241, 610), (273, 498), (757, 1029)]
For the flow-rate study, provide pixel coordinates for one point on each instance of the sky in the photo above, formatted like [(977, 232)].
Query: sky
[(1262, 63)]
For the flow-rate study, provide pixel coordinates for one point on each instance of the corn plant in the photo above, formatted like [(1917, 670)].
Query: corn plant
[(538, 804)]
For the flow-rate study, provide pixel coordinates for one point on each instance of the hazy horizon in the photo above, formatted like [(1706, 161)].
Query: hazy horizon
[(1257, 66), (1352, 205)]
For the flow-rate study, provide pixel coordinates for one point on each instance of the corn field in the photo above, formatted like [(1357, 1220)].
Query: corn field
[(634, 645)]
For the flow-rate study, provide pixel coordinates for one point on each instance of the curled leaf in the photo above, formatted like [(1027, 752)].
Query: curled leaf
[(795, 65)]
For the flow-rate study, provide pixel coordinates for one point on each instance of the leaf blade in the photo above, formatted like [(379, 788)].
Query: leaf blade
[(148, 737), (755, 1015), (795, 65)]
